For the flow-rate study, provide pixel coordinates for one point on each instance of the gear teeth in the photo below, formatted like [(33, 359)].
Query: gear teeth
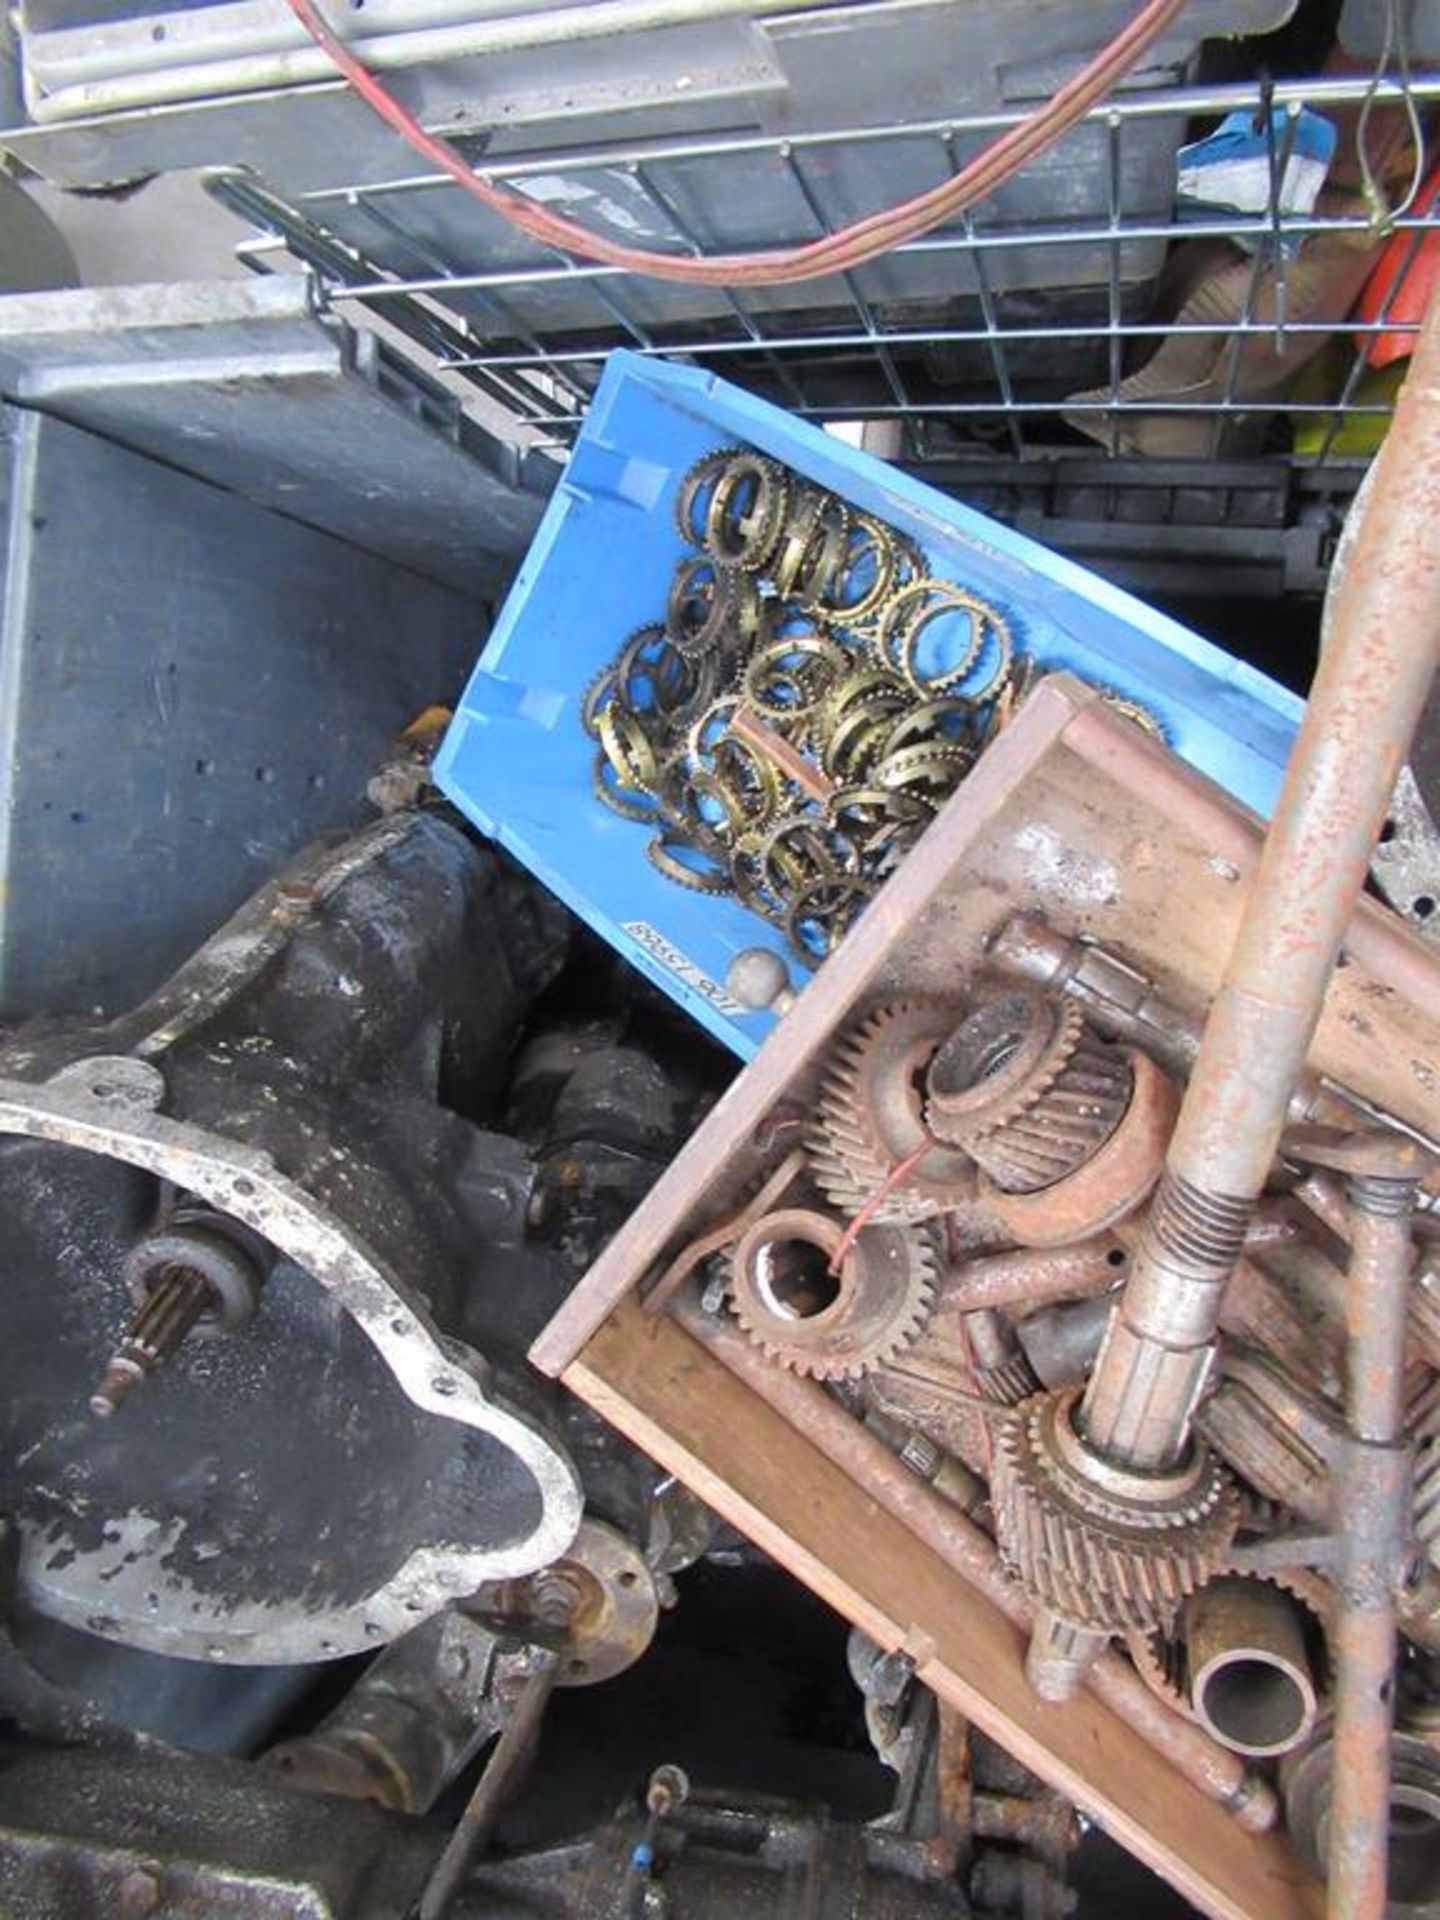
[(1424, 1423), (1034, 1132), (1159, 1657), (1104, 1562), (869, 1119), (1009, 1384), (909, 1308)]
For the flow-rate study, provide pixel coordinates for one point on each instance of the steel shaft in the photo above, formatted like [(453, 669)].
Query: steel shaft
[(1372, 681)]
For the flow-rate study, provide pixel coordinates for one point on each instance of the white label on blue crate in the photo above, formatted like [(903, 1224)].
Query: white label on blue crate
[(681, 966)]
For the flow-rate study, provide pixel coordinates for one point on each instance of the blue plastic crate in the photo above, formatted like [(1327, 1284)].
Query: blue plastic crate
[(517, 761)]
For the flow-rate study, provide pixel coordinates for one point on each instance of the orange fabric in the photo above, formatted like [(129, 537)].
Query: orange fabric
[(1400, 287)]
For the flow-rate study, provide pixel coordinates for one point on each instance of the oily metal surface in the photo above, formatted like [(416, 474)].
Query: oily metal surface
[(303, 1385), (177, 1838), (337, 1469)]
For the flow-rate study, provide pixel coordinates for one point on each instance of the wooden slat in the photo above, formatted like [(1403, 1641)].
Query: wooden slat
[(658, 1387)]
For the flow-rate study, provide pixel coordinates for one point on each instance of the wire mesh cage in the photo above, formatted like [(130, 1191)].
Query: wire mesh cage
[(1079, 307)]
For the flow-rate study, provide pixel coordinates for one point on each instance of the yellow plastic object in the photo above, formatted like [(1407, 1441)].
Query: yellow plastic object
[(1360, 433)]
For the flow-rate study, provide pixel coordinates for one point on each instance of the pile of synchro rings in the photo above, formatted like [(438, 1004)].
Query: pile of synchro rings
[(810, 699)]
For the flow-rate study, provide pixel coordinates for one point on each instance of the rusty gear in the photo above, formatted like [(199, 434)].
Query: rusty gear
[(1009, 1384), (1027, 1088), (1110, 1550), (830, 1326), (871, 1119)]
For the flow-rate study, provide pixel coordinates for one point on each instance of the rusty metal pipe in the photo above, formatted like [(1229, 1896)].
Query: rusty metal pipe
[(1367, 694), (1033, 1277), (1372, 1506), (971, 1554)]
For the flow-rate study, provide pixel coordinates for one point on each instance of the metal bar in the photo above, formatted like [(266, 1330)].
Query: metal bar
[(1372, 1511), (513, 1752), (1232, 369), (990, 410), (1032, 1277), (1372, 681), (996, 239), (857, 299), (754, 338), (1279, 166), (1112, 277), (769, 344), (990, 315)]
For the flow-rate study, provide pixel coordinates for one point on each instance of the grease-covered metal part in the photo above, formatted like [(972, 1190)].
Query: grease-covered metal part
[(826, 1303), (288, 1080), (196, 1273), (413, 1720), (599, 1599), (710, 1856)]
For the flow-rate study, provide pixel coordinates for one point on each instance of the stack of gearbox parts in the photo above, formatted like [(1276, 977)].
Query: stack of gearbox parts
[(949, 1251), (276, 1242)]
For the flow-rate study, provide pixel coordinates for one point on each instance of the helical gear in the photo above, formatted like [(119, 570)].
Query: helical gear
[(871, 1119), (1027, 1088), (1424, 1421), (884, 1290), (1116, 1553)]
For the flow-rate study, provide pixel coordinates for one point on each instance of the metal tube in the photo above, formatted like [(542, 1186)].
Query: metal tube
[(1368, 691), (1249, 1671), (1372, 1516), (503, 1771), (281, 65), (410, 1724), (971, 1553), (1027, 1277)]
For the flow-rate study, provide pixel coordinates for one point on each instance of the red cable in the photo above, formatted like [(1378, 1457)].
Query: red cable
[(898, 1174), (838, 252)]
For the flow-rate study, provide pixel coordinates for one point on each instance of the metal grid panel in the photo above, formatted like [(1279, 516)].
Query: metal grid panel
[(532, 327)]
